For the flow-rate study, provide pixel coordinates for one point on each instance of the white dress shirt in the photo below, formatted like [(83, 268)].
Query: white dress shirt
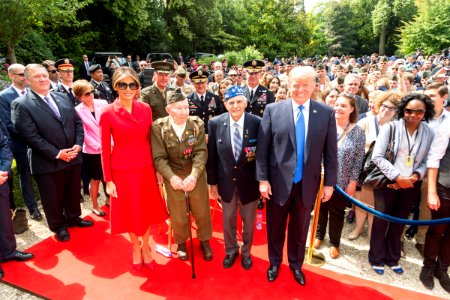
[(18, 91), (439, 145)]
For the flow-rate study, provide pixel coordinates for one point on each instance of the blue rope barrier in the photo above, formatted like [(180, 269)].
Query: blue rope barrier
[(391, 218)]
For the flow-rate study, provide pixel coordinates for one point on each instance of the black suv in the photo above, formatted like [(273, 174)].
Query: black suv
[(159, 56)]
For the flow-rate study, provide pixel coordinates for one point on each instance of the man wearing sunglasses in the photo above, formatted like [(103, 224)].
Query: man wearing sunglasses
[(52, 73), (17, 144), (50, 126), (156, 94), (258, 95)]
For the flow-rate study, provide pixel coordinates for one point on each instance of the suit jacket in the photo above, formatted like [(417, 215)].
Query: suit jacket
[(261, 98), (134, 65), (73, 99), (102, 91), (222, 168), (45, 133), (18, 145), (84, 72), (92, 142), (211, 107), (361, 104), (276, 157)]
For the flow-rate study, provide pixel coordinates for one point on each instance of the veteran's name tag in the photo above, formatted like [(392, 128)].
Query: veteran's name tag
[(409, 160)]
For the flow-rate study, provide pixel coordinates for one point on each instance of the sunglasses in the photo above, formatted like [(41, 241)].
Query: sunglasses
[(53, 71), (91, 92), (123, 86), (410, 111), (19, 74), (232, 75), (390, 108)]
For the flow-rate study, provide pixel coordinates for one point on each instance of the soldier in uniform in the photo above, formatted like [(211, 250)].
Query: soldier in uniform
[(259, 96), (101, 89), (180, 81), (180, 155), (202, 103), (156, 94), (65, 69)]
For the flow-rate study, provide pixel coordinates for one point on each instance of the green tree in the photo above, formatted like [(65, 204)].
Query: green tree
[(24, 15), (429, 30)]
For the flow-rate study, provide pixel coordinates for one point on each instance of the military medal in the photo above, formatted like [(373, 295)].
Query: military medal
[(409, 161)]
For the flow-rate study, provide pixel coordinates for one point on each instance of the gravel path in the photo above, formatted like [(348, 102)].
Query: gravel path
[(353, 260)]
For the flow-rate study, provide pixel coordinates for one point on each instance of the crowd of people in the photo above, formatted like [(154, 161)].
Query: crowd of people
[(240, 134)]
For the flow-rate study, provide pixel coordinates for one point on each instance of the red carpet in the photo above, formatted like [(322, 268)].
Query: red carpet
[(96, 265)]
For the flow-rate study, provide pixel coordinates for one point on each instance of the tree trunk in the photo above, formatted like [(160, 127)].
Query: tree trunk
[(382, 45), (11, 54)]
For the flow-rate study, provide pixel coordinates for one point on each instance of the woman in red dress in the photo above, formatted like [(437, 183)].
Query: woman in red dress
[(128, 168)]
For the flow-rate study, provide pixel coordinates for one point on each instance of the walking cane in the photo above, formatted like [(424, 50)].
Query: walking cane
[(319, 258), (188, 215)]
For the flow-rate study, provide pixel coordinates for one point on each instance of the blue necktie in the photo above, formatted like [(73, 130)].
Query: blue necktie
[(53, 108), (237, 142), (300, 141)]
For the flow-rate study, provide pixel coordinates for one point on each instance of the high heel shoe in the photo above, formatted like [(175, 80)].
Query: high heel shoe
[(150, 265), (137, 267)]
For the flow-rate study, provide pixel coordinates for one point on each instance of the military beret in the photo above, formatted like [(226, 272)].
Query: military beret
[(234, 91), (94, 68), (199, 76), (64, 64), (253, 66), (175, 96), (181, 71), (163, 67)]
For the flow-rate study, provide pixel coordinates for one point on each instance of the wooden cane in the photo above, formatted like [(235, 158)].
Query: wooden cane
[(188, 216), (315, 221)]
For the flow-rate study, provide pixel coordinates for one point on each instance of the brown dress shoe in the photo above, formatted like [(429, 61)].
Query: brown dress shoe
[(317, 243), (334, 252)]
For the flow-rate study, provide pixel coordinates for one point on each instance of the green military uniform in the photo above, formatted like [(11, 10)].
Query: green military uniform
[(183, 158), (157, 100)]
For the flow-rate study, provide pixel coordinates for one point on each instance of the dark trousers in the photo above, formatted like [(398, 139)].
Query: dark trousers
[(333, 211), (60, 196), (7, 239), (10, 183), (299, 217), (26, 180), (385, 237), (437, 241)]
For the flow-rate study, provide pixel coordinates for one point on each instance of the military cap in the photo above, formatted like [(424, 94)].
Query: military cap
[(253, 66), (181, 72), (232, 72), (64, 64), (362, 70), (320, 67), (94, 68), (175, 96), (163, 67), (382, 59), (199, 76), (234, 91), (426, 74)]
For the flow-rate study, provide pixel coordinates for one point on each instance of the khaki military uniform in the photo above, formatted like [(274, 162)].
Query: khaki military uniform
[(157, 101), (183, 158)]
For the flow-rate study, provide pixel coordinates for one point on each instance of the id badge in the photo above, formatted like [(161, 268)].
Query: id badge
[(409, 160)]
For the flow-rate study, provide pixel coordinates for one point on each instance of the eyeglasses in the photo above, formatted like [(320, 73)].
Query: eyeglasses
[(91, 92), (390, 108), (410, 111), (52, 71), (123, 86), (19, 74)]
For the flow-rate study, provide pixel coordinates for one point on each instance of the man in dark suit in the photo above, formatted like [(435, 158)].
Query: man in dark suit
[(258, 95), (18, 145), (101, 89), (132, 64), (8, 250), (84, 68), (49, 124), (65, 69), (295, 135), (351, 86), (202, 103), (231, 170)]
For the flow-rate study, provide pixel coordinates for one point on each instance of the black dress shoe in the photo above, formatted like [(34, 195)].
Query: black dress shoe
[(35, 214), (299, 276), (1, 272), (228, 261), (443, 278), (20, 256), (247, 262), (272, 273), (63, 235), (84, 223), (427, 277), (207, 251)]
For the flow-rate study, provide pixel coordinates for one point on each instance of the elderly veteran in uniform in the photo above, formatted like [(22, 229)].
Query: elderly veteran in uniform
[(180, 154), (258, 95), (101, 89), (65, 69), (156, 94), (231, 170), (203, 103)]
